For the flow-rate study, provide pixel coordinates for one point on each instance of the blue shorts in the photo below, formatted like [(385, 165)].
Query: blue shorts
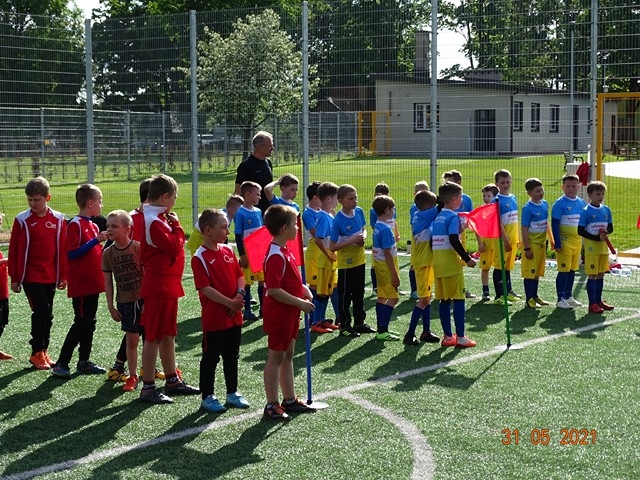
[(130, 316)]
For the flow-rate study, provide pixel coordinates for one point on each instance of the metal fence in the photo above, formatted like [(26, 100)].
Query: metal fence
[(512, 81)]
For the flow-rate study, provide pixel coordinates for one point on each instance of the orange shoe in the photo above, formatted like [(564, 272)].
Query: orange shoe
[(595, 308), (48, 358), (131, 384), (329, 324), (605, 306), (38, 361), (320, 328), (5, 356), (464, 342), (448, 341)]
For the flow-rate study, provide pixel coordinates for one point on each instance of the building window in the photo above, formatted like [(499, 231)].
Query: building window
[(535, 117), (422, 117), (554, 118), (517, 117)]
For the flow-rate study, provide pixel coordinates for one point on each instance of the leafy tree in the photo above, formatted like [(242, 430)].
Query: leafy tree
[(252, 74), (43, 48)]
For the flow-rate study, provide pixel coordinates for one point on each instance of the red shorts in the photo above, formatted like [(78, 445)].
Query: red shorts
[(159, 318), (280, 332)]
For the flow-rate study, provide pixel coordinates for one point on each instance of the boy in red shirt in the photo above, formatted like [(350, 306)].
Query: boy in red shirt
[(220, 284), (162, 249), (285, 295), (38, 262), (86, 282)]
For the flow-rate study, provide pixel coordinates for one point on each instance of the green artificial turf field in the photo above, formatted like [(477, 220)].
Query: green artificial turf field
[(395, 411)]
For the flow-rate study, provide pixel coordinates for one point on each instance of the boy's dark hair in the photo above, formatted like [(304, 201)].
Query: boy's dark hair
[(596, 186), (248, 185), (123, 216), (381, 189), (344, 190), (277, 216), (326, 190), (37, 186), (160, 185), (491, 187), (86, 192), (452, 176), (501, 174), (209, 218), (381, 203), (570, 177), (425, 199), (144, 189), (532, 183), (448, 190), (312, 190), (288, 179)]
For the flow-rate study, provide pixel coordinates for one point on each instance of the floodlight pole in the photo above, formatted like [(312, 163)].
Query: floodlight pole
[(433, 120)]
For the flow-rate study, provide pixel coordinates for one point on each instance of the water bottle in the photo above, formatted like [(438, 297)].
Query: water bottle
[(408, 247), (551, 263)]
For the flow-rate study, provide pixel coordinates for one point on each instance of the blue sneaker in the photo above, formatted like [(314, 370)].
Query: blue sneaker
[(212, 405), (87, 367), (60, 370), (250, 316), (414, 295), (237, 400)]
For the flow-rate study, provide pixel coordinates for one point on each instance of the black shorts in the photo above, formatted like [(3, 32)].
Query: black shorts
[(131, 316)]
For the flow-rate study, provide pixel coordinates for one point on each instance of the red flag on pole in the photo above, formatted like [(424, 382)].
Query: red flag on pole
[(257, 243), (484, 220)]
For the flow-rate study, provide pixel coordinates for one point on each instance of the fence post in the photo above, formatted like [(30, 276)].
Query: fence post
[(127, 136), (89, 81), (42, 146), (193, 65)]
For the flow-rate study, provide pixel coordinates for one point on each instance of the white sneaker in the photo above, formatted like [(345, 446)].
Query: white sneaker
[(563, 304), (573, 302)]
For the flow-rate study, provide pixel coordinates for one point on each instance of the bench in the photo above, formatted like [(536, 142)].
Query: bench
[(568, 159)]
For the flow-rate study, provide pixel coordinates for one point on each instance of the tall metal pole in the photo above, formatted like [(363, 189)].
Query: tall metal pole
[(88, 69), (434, 94), (595, 152), (571, 90), (193, 64), (305, 98)]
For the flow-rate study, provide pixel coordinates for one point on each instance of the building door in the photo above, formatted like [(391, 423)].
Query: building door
[(484, 130)]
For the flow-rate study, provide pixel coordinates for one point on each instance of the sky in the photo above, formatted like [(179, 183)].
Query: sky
[(448, 42)]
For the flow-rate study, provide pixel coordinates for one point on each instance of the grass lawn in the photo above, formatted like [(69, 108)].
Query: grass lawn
[(395, 412)]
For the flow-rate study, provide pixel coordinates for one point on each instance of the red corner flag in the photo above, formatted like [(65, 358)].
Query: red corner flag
[(484, 220), (257, 243)]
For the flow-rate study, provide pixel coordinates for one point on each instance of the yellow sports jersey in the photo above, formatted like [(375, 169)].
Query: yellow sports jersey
[(195, 240)]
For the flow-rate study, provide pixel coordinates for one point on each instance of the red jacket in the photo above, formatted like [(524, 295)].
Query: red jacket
[(162, 250), (20, 243)]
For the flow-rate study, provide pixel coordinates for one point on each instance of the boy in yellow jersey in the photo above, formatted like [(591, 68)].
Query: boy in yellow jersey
[(447, 268), (510, 237), (422, 259), (565, 216), (348, 233), (420, 186), (535, 229), (486, 246)]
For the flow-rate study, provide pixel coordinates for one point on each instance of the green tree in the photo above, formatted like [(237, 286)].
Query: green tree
[(43, 53), (252, 74)]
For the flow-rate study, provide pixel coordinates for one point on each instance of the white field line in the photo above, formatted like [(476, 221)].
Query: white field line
[(423, 462), (342, 393)]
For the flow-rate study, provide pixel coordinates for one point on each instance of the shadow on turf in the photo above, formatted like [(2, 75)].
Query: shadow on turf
[(444, 377), (71, 432), (188, 462)]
